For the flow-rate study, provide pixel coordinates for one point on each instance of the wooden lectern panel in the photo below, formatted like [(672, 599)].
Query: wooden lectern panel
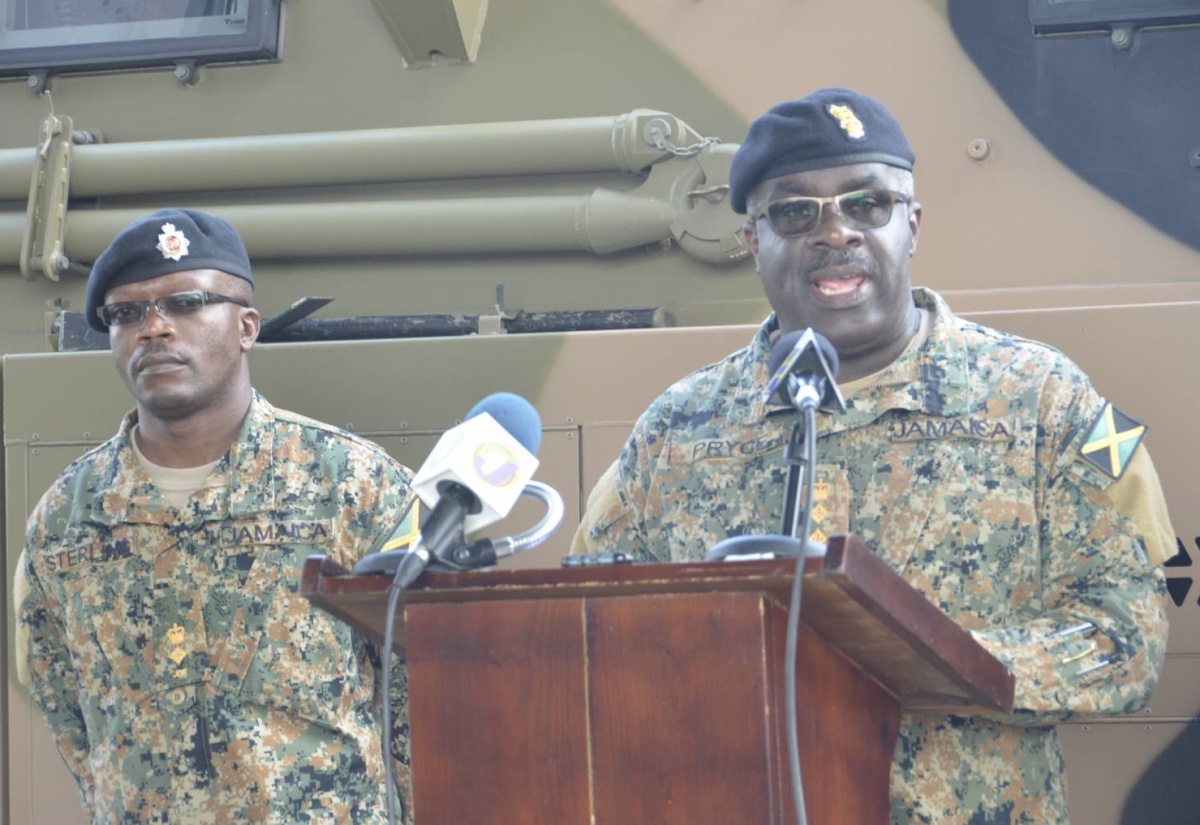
[(656, 709), (498, 726)]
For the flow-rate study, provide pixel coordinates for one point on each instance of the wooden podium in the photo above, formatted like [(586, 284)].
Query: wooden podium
[(653, 694)]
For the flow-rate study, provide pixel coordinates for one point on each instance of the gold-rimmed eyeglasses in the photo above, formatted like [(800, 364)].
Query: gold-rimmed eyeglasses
[(862, 209)]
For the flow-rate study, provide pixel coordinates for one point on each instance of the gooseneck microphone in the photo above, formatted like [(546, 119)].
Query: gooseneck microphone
[(472, 478), (803, 375)]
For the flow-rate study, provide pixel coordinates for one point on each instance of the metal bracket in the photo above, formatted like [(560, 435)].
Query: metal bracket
[(494, 324), (42, 247)]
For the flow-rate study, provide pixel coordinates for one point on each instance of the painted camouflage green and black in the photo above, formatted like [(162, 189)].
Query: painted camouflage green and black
[(960, 463), (180, 673)]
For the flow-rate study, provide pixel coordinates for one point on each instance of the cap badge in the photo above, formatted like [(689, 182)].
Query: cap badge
[(172, 243), (849, 121)]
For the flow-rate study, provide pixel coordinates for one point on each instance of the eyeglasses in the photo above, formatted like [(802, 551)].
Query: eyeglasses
[(179, 305), (864, 209)]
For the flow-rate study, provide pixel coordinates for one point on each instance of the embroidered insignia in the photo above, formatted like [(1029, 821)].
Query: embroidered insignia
[(1112, 441), (845, 117), (172, 243), (176, 635), (407, 532)]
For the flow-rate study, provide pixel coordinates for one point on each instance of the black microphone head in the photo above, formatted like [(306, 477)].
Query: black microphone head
[(514, 414), (805, 358), (786, 343)]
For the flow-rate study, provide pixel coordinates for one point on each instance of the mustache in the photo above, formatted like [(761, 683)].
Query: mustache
[(155, 352), (840, 257)]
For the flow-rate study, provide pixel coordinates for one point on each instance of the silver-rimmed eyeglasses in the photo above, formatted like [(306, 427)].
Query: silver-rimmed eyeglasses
[(178, 305)]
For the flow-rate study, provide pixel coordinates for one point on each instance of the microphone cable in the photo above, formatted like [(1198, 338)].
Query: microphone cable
[(803, 520), (410, 567)]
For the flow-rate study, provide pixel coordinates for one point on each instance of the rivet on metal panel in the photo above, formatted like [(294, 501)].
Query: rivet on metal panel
[(979, 149), (403, 439), (187, 72), (1122, 38), (35, 451), (34, 437), (1195, 157), (87, 433)]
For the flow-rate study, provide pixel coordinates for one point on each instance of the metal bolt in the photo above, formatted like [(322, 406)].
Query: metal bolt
[(1122, 38), (979, 149), (656, 132), (1195, 157)]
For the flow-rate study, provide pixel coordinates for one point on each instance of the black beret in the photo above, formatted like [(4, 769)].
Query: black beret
[(170, 240), (830, 127)]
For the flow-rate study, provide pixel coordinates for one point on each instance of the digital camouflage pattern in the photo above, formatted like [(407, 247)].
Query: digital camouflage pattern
[(180, 673), (961, 465)]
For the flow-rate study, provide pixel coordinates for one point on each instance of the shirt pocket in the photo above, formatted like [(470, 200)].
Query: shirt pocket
[(100, 579), (283, 652)]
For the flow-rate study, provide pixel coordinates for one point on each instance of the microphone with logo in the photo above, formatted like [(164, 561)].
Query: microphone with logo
[(471, 479)]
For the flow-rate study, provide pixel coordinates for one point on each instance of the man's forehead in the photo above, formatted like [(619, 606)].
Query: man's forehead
[(165, 284), (831, 181)]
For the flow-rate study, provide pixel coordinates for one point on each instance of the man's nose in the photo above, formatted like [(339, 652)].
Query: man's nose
[(832, 229), (156, 323)]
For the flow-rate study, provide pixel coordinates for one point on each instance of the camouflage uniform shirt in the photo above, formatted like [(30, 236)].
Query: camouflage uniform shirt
[(182, 677), (961, 464)]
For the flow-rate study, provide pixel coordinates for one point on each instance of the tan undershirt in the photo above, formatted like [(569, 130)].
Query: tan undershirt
[(176, 483)]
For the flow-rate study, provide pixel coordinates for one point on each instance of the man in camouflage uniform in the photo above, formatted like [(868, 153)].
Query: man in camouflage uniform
[(983, 467), (182, 677)]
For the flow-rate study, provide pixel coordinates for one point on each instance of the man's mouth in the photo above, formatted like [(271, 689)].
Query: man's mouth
[(833, 287), (158, 363)]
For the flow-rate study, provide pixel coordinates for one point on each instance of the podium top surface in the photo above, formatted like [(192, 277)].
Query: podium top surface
[(851, 598)]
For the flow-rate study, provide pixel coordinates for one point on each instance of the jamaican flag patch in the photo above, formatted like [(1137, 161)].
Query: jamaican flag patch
[(407, 531), (1112, 441)]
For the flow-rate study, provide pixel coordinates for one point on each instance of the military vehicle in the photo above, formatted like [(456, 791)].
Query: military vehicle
[(530, 196)]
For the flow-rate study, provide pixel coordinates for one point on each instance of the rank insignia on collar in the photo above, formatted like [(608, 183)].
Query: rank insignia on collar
[(172, 243), (845, 117), (1112, 441)]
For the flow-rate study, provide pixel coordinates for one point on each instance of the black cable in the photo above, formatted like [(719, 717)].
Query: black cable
[(793, 625), (407, 571)]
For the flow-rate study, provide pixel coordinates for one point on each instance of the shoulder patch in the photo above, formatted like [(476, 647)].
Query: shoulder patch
[(407, 531), (1112, 441)]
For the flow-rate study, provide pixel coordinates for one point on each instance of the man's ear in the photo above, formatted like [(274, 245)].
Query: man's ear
[(914, 225), (249, 324), (750, 234)]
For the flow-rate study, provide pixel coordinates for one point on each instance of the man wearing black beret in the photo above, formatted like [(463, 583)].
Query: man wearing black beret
[(182, 677), (981, 466)]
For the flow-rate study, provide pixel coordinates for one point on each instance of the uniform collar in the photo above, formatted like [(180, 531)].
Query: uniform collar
[(933, 378), (131, 497)]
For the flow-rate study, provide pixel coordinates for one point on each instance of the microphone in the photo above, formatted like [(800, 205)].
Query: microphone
[(803, 367), (472, 478)]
